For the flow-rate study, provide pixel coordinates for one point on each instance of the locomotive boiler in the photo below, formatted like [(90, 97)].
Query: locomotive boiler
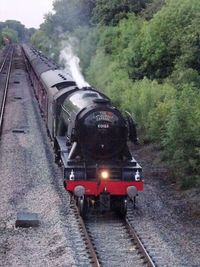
[(90, 138), (90, 121)]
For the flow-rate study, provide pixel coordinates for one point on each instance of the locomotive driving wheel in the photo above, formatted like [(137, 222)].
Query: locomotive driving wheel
[(82, 206), (121, 207)]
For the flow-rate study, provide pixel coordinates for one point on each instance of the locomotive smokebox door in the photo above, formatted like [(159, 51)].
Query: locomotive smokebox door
[(104, 201)]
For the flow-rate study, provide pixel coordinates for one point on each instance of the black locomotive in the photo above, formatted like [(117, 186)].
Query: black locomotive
[(90, 137), (99, 130)]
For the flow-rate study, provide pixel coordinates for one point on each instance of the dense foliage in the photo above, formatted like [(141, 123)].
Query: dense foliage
[(146, 56), (110, 12), (14, 31)]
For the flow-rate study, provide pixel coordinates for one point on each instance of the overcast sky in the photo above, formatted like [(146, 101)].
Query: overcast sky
[(29, 12)]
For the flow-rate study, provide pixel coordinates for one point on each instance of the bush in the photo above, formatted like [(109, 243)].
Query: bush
[(181, 139), (190, 182), (143, 99), (42, 42), (10, 34)]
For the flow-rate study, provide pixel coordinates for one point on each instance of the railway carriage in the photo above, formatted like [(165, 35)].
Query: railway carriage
[(90, 138)]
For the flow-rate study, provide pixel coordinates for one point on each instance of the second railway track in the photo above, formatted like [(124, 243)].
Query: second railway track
[(5, 70)]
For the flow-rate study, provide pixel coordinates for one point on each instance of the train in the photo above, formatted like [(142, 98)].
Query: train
[(90, 137)]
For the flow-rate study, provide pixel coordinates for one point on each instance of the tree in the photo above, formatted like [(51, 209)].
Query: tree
[(17, 27), (29, 33), (170, 36), (152, 8), (41, 41), (48, 26), (69, 14), (10, 34), (110, 12)]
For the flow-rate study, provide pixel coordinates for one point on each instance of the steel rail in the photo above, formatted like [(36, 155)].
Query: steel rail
[(140, 245), (2, 108), (4, 61), (87, 240)]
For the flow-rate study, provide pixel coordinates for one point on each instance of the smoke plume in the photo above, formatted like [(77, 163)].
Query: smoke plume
[(71, 63)]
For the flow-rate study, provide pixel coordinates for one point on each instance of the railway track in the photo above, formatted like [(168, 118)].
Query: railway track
[(5, 70), (112, 241), (94, 261)]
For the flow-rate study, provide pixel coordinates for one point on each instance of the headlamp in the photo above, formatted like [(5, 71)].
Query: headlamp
[(104, 174)]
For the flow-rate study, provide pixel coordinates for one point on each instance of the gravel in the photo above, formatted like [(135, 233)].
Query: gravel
[(166, 219), (31, 182)]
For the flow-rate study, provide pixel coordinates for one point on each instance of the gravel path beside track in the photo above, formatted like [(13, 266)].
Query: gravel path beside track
[(165, 217)]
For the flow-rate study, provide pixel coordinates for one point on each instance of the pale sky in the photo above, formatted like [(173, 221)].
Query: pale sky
[(29, 12)]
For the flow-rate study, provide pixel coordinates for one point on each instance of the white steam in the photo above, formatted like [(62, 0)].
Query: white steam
[(71, 63)]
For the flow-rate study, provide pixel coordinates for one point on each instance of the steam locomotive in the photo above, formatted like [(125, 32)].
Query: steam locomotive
[(90, 138)]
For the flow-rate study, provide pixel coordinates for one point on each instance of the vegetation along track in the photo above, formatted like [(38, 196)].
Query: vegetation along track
[(5, 71), (112, 241)]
